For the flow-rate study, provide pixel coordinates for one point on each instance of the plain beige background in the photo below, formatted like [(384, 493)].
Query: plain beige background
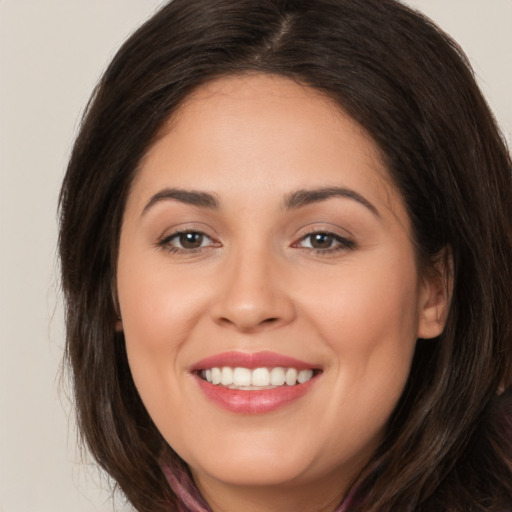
[(51, 54)]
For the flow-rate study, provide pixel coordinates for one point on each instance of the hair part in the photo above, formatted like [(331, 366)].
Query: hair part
[(412, 90)]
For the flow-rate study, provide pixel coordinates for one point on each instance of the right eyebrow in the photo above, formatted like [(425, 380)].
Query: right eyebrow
[(192, 197), (305, 197)]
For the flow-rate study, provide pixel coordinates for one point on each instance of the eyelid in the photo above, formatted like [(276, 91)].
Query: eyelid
[(324, 227)]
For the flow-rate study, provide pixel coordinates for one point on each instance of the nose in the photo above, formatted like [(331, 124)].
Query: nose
[(253, 294)]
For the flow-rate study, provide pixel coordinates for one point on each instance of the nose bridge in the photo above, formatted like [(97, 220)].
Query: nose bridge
[(252, 296)]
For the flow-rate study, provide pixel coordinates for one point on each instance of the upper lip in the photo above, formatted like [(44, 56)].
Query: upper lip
[(251, 360)]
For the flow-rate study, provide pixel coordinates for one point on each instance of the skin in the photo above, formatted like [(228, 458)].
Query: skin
[(353, 309)]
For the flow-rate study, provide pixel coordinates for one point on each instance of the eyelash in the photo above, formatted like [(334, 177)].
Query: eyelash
[(342, 243)]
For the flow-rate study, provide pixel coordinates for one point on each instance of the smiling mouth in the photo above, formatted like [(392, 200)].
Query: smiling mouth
[(253, 379)]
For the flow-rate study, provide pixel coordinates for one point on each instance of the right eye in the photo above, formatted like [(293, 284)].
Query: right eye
[(185, 241)]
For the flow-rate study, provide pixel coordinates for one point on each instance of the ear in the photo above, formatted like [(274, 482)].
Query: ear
[(118, 325), (435, 296)]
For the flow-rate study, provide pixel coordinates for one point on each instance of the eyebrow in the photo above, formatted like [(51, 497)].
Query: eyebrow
[(297, 199), (305, 197), (192, 197)]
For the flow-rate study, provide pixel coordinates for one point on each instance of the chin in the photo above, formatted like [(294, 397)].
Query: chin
[(261, 470)]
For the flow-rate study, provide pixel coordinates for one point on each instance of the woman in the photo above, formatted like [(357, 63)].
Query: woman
[(286, 253)]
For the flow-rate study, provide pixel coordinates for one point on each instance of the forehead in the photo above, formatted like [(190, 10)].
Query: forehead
[(270, 105), (256, 132)]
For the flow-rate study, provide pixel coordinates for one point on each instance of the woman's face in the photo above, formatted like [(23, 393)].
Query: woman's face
[(264, 246)]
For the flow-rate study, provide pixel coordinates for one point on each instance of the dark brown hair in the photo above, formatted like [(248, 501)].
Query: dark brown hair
[(410, 87)]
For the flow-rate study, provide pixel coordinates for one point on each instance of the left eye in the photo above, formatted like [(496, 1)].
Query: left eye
[(324, 242), (187, 240)]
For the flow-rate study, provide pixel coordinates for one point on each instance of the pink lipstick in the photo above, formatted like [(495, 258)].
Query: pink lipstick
[(254, 383)]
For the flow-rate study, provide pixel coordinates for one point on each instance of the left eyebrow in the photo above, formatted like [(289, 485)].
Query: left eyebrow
[(192, 197), (305, 197)]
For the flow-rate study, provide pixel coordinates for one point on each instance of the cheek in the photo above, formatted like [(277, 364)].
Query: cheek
[(371, 305), (158, 306), (156, 320), (158, 311), (369, 319)]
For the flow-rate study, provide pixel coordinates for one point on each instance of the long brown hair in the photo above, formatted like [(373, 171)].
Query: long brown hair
[(410, 87)]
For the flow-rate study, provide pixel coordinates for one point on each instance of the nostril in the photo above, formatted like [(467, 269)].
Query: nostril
[(248, 324)]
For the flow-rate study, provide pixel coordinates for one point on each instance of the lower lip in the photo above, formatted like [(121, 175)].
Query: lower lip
[(254, 401)]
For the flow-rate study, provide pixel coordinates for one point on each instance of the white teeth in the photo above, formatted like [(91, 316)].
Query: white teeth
[(226, 376), (291, 376), (277, 376), (260, 377), (304, 376), (245, 378), (216, 375), (242, 377)]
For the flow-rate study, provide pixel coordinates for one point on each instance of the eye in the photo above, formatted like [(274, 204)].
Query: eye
[(183, 241), (324, 242)]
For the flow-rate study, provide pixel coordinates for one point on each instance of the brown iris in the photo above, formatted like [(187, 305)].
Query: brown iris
[(321, 241), (191, 240)]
